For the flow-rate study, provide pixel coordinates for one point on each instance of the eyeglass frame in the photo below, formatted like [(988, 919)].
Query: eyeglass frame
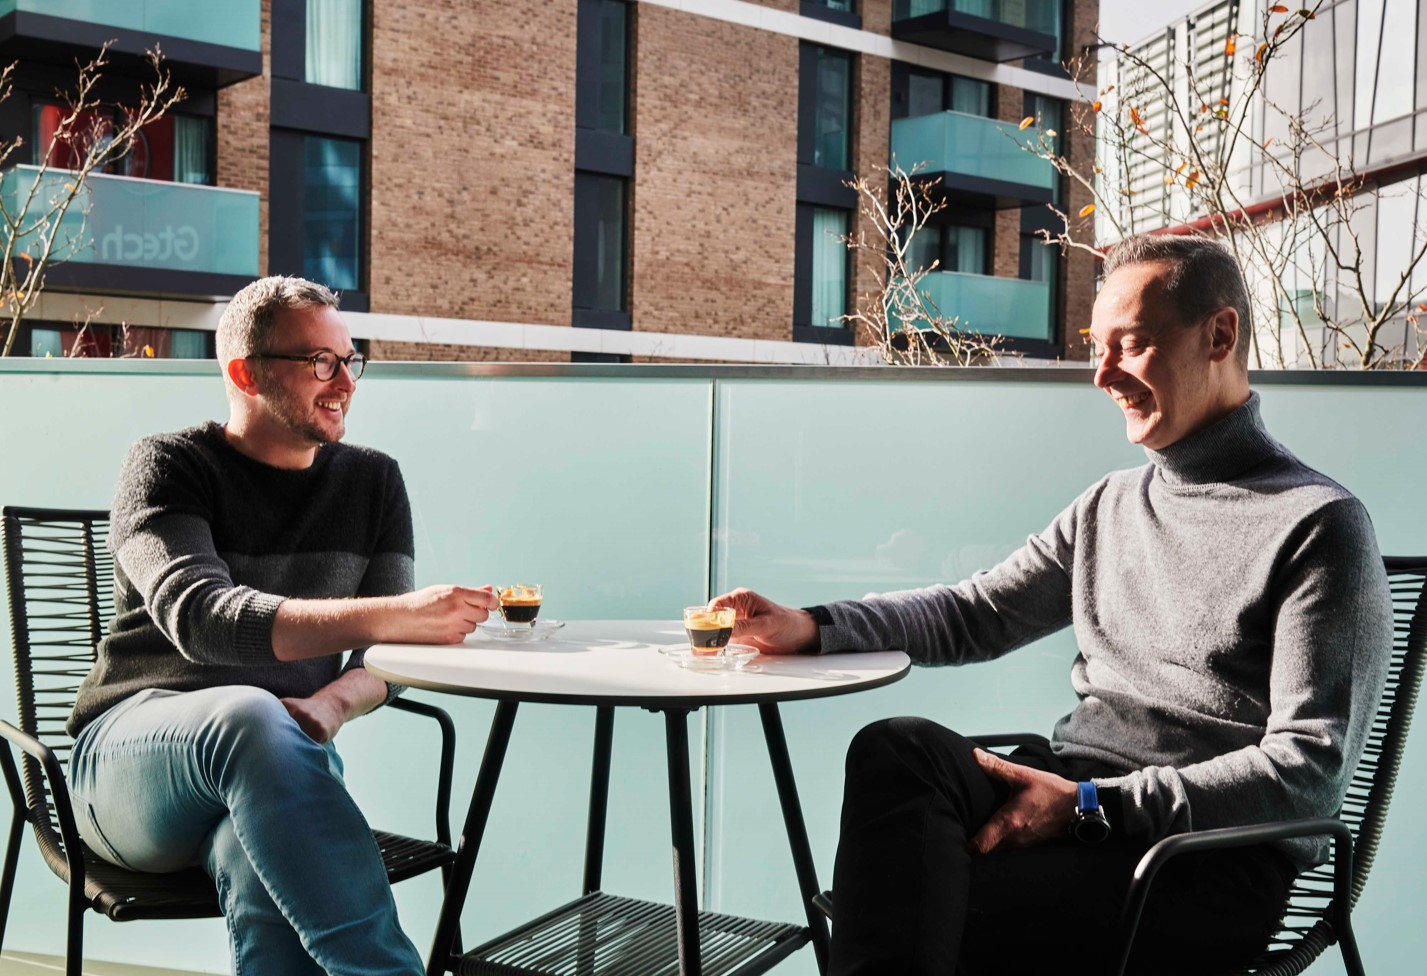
[(316, 357)]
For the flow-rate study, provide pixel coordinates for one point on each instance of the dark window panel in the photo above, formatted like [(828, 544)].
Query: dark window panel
[(331, 212)]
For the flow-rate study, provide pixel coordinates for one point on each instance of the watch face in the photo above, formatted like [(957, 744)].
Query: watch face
[(1090, 828)]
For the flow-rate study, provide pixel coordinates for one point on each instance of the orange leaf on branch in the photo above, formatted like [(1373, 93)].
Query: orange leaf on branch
[(1028, 121), (1087, 210), (1231, 45), (1263, 49), (1096, 106), (1278, 8)]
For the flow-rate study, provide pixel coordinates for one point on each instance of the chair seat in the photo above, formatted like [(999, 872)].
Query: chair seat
[(126, 896)]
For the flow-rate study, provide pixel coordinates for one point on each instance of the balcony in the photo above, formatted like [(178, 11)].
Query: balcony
[(980, 160), (145, 237), (1013, 308), (208, 45), (809, 485), (990, 30)]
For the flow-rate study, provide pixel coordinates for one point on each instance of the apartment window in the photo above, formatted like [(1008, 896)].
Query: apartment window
[(331, 211), (334, 44), (831, 108), (842, 6), (103, 341), (830, 265), (918, 91), (954, 247), (604, 165), (174, 148), (600, 238)]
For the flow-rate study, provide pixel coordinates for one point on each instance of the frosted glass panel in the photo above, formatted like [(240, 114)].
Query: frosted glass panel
[(234, 23), (605, 490), (953, 142)]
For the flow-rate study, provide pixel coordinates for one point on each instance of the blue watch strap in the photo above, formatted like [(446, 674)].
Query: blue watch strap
[(1087, 799)]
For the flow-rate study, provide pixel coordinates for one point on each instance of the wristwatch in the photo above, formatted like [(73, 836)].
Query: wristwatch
[(1089, 826)]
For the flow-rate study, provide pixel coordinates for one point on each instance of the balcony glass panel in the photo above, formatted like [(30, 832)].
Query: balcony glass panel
[(1036, 15), (117, 220), (1011, 307), (231, 23), (953, 142)]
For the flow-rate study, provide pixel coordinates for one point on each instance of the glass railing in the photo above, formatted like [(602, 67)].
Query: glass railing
[(231, 23), (809, 485), (954, 142), (987, 305), (1036, 15), (142, 223)]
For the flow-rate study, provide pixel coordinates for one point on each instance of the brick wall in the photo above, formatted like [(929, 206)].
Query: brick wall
[(1006, 239), (242, 128), (1080, 268), (385, 351), (472, 169), (872, 112), (715, 132)]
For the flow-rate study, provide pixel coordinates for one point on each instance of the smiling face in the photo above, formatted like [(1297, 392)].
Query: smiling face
[(310, 410), (1169, 378)]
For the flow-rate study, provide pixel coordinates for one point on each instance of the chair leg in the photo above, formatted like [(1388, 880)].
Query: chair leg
[(7, 880), (74, 947)]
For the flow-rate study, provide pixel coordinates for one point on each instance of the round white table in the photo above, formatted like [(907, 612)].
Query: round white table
[(605, 664)]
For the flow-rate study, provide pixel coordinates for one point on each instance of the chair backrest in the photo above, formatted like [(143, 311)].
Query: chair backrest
[(60, 581), (1306, 931)]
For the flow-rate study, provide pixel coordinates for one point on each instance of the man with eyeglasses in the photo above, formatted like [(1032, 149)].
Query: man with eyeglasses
[(1234, 627), (249, 556)]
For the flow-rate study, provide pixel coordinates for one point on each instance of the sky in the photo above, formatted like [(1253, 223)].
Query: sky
[(1128, 21)]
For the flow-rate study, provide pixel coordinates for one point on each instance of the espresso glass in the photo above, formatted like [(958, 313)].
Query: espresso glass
[(709, 630), (520, 604)]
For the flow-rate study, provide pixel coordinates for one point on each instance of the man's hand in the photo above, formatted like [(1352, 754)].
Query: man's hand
[(319, 717), (769, 626), (441, 614), (1039, 809), (323, 713)]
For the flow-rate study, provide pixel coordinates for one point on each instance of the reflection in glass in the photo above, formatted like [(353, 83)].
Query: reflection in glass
[(925, 94), (613, 68), (334, 43)]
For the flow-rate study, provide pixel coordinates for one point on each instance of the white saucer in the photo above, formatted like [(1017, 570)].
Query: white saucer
[(500, 630)]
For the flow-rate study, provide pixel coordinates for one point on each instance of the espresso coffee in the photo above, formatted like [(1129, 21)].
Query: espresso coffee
[(714, 638), (520, 604), (520, 613)]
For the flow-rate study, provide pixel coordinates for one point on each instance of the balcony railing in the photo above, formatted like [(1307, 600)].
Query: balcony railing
[(132, 223), (989, 155), (230, 23), (988, 305), (995, 30)]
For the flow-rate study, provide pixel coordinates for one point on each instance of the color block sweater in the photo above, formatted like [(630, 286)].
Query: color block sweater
[(208, 542), (1233, 622)]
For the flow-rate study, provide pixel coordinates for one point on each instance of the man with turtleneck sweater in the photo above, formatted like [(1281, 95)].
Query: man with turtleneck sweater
[(1233, 623)]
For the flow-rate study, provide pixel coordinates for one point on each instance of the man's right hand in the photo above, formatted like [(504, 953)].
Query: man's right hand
[(442, 614), (768, 626)]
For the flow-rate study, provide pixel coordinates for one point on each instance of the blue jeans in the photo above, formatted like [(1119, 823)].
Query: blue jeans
[(224, 778)]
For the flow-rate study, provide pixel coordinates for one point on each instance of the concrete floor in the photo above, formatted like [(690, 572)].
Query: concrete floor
[(30, 964)]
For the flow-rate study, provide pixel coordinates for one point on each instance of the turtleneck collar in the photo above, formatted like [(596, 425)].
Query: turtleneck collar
[(1220, 452)]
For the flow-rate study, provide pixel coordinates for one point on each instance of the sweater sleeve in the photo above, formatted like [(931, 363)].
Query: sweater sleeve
[(1023, 598), (163, 542), (392, 567), (1332, 639)]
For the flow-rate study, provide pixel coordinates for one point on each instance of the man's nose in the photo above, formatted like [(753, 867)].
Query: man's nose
[(344, 378), (1107, 370)]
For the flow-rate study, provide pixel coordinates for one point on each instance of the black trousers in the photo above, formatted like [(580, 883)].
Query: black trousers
[(909, 898)]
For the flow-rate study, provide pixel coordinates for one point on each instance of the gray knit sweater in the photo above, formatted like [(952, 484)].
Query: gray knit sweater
[(1233, 621), (208, 542)]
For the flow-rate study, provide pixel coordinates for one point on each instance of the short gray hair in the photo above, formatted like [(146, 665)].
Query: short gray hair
[(1203, 278), (247, 323)]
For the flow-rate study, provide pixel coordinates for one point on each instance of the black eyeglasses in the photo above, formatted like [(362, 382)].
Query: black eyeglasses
[(324, 364)]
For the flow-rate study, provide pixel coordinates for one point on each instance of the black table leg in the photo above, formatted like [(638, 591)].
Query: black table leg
[(681, 825), (797, 831), (442, 960), (599, 798)]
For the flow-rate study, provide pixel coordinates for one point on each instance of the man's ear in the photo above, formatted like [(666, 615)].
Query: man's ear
[(241, 375), (1224, 334)]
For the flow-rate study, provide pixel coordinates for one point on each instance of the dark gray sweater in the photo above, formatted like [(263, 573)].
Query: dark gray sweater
[(208, 542), (1233, 621)]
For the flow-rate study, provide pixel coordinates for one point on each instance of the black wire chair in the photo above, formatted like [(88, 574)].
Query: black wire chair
[(1320, 905), (60, 580)]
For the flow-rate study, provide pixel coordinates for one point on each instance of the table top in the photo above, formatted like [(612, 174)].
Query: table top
[(618, 662)]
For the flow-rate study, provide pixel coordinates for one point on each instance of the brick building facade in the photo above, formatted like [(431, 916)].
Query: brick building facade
[(548, 180)]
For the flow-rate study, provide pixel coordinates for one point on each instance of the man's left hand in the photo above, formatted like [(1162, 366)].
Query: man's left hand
[(1039, 809), (318, 716)]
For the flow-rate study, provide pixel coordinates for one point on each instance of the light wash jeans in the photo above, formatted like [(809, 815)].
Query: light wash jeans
[(225, 779)]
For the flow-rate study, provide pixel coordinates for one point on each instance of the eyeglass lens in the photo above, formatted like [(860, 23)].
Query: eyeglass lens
[(324, 364)]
